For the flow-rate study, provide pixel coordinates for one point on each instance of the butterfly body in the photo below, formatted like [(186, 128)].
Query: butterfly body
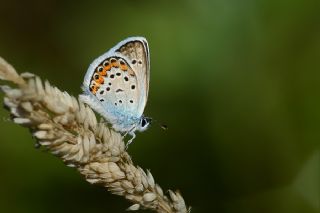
[(116, 85)]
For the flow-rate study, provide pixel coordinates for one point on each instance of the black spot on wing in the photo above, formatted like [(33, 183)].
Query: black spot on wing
[(119, 90)]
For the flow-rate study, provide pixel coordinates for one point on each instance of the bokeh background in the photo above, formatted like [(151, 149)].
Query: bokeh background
[(237, 82)]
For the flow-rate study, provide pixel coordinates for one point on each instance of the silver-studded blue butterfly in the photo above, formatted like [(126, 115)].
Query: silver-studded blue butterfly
[(116, 85)]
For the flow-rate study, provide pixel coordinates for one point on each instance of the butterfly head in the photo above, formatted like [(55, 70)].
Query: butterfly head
[(144, 123)]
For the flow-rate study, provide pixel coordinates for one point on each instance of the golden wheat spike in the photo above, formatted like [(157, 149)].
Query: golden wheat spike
[(70, 130)]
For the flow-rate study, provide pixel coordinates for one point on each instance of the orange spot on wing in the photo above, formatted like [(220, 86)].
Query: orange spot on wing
[(105, 69), (123, 67), (104, 72), (94, 89), (100, 80), (114, 63)]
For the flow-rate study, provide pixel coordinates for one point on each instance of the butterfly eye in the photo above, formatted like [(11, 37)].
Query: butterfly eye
[(100, 69), (143, 122)]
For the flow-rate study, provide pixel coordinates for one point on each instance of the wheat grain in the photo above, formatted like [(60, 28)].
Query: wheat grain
[(69, 129)]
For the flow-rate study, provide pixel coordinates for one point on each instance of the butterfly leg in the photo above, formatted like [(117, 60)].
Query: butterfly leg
[(131, 140), (126, 134), (130, 131)]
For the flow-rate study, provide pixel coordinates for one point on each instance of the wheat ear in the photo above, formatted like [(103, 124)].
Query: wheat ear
[(69, 129)]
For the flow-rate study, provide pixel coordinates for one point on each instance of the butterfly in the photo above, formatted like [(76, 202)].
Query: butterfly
[(116, 85)]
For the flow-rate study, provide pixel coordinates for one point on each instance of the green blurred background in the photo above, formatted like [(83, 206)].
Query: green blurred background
[(237, 82)]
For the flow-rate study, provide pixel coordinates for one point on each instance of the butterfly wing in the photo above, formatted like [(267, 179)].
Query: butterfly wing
[(116, 84), (136, 50)]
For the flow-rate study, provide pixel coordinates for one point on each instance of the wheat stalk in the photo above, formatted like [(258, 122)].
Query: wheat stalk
[(69, 129)]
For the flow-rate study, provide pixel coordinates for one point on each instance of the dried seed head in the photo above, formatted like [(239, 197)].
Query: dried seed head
[(69, 129), (134, 207), (148, 197)]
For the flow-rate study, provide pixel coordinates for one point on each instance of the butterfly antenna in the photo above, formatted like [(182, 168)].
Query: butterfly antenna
[(161, 125)]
